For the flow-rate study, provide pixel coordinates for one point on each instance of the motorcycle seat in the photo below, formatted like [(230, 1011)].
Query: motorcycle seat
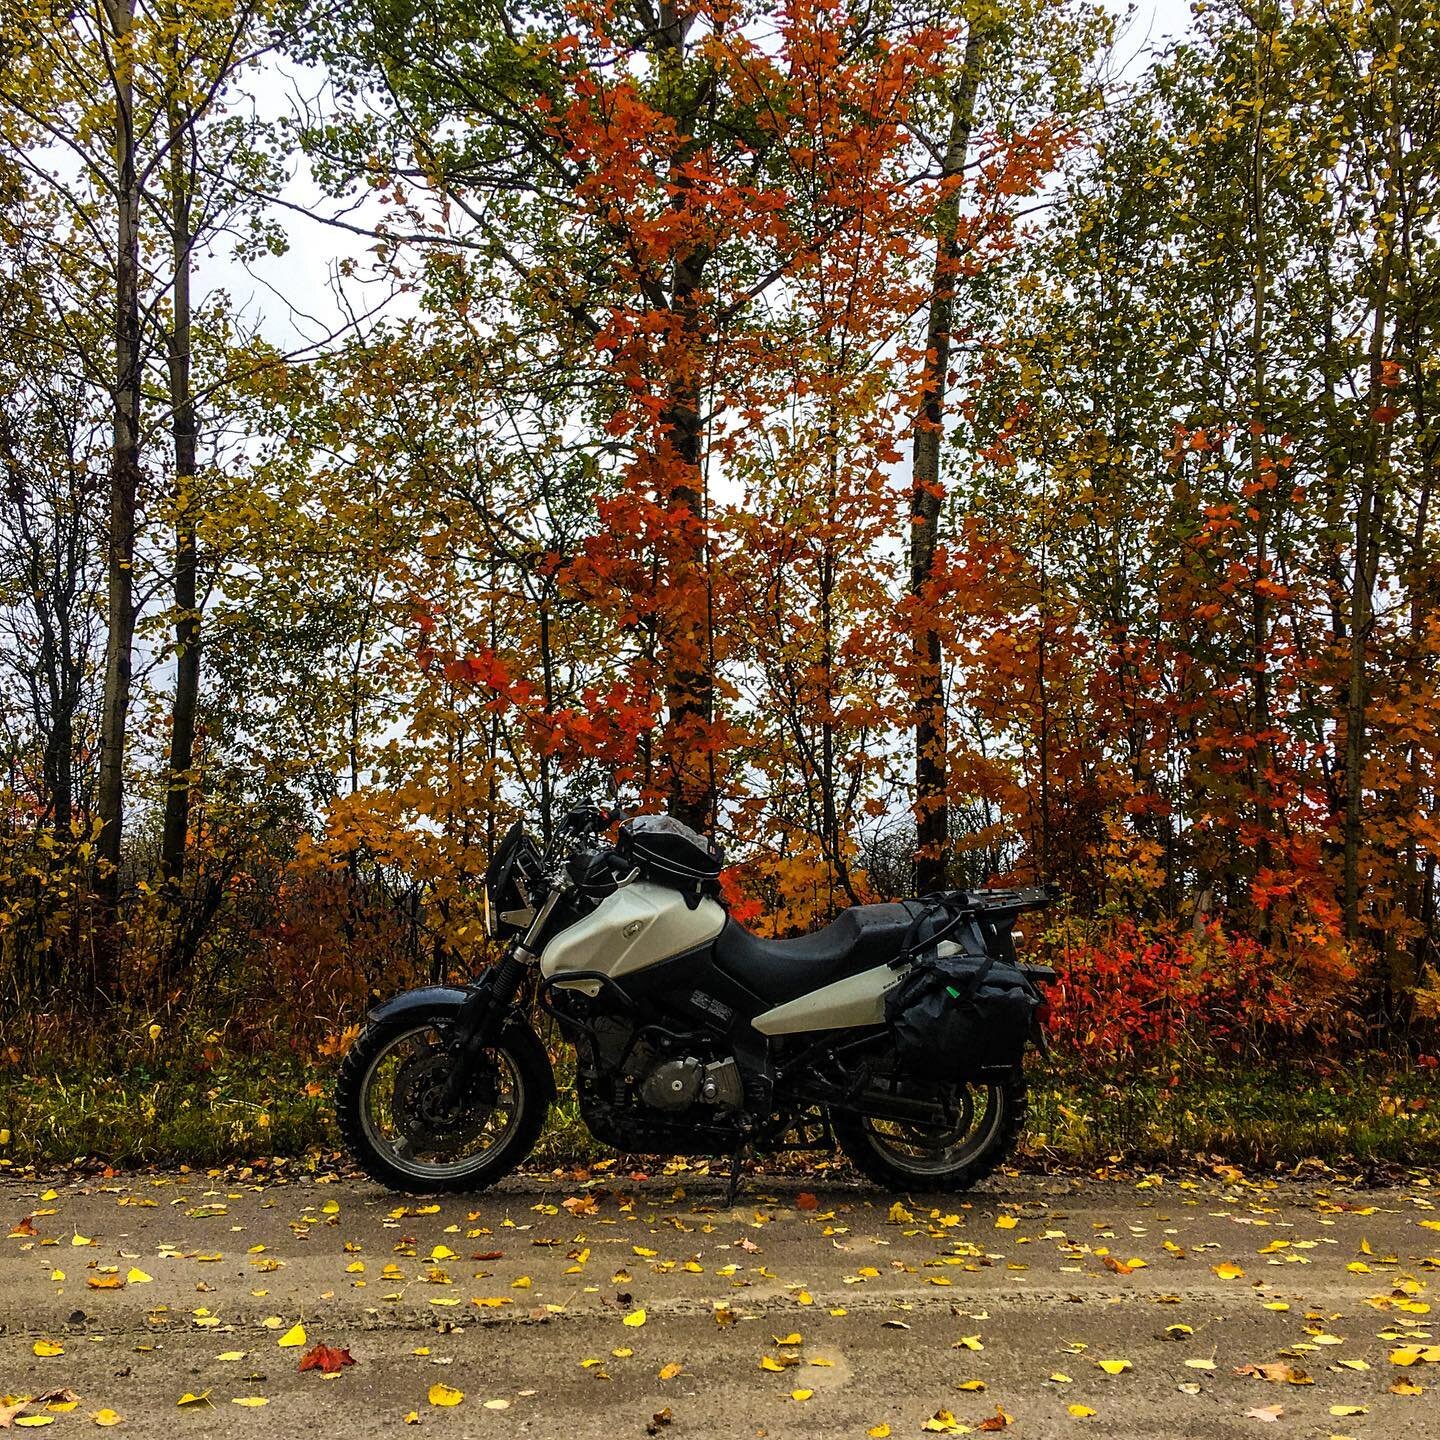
[(778, 970)]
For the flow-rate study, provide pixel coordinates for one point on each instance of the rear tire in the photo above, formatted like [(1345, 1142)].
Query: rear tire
[(901, 1161), (377, 1138)]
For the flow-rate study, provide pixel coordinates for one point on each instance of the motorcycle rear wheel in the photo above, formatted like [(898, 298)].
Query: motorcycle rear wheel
[(907, 1156), (388, 1101)]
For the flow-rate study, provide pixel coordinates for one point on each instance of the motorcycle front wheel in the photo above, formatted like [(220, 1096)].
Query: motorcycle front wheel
[(952, 1153), (398, 1127)]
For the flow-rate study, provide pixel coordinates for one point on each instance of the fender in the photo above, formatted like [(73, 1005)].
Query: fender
[(411, 1002)]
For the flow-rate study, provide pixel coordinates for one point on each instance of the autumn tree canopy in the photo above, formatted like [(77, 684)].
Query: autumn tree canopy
[(880, 435)]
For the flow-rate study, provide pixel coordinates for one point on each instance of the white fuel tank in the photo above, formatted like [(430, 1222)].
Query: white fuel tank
[(639, 925)]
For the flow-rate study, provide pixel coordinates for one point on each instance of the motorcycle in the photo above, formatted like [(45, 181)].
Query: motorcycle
[(693, 1036)]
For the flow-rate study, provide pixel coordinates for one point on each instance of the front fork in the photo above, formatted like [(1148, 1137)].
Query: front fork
[(478, 1024), (483, 1015)]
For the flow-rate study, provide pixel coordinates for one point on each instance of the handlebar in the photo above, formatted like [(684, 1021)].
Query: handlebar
[(589, 819)]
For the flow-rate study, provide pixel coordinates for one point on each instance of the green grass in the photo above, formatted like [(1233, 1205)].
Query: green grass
[(1249, 1116), (238, 1109)]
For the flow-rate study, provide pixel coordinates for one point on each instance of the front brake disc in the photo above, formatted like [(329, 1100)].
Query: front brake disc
[(419, 1108)]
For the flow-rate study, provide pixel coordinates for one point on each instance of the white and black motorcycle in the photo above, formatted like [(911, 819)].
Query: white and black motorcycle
[(897, 1031)]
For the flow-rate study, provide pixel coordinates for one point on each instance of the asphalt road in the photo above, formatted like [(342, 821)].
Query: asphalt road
[(644, 1304)]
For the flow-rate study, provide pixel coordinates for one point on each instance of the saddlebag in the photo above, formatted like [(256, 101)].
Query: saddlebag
[(669, 853), (961, 1016)]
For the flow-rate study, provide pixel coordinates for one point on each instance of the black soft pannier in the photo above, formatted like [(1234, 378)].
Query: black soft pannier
[(961, 1017), (669, 853)]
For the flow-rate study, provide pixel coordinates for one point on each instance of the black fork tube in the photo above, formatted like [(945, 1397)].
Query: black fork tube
[(479, 1023)]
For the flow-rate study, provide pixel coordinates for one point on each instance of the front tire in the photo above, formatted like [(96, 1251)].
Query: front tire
[(387, 1102), (914, 1157)]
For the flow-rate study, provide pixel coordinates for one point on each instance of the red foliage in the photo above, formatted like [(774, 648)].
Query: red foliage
[(1128, 994)]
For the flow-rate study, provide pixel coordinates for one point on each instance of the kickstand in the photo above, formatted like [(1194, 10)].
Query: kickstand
[(732, 1189)]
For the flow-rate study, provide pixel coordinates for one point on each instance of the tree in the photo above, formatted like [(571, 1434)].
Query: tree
[(649, 181), (117, 116)]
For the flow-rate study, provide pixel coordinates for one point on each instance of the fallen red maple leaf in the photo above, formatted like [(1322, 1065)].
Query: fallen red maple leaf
[(326, 1359)]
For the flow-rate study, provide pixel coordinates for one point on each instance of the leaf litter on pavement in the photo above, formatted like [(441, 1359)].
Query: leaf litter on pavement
[(611, 1247)]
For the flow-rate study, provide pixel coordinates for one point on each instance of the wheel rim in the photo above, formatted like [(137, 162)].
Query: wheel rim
[(400, 1108), (945, 1147)]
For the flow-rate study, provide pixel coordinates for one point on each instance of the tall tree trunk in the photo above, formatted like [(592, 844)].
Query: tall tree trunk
[(685, 639), (187, 613), (932, 807), (547, 672), (1261, 475), (124, 484), (689, 694), (1369, 511)]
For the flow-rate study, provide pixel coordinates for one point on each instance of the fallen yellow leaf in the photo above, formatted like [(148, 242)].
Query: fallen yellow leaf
[(44, 1348), (635, 1318), (188, 1399), (1080, 1412), (107, 1417), (1114, 1367), (801, 1394), (251, 1402), (447, 1395)]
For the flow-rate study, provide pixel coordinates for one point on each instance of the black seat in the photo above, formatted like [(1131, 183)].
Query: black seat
[(779, 970)]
